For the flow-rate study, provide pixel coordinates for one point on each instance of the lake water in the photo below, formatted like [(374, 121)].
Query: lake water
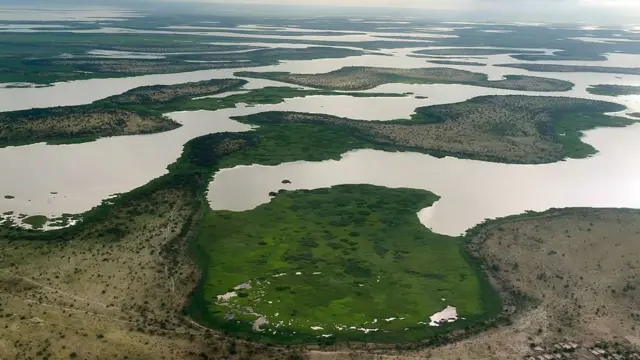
[(470, 191), (82, 175)]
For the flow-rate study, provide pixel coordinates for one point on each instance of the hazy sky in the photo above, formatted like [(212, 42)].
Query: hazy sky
[(454, 4), (594, 11)]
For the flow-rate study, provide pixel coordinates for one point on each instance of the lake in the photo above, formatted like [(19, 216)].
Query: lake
[(52, 180)]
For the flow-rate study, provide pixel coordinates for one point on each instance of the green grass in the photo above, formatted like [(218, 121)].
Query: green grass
[(36, 221), (279, 143), (613, 90), (371, 257)]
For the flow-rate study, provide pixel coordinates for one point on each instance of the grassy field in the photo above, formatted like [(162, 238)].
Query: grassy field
[(573, 68), (364, 78), (326, 260), (511, 129), (613, 90)]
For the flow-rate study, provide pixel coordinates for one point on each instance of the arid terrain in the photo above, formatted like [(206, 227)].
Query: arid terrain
[(116, 290)]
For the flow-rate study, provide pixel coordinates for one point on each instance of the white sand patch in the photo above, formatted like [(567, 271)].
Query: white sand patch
[(298, 273), (366, 331), (316, 328), (317, 273), (259, 322), (279, 275), (327, 335), (227, 296), (389, 319), (449, 314)]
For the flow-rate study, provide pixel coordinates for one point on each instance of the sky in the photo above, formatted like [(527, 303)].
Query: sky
[(590, 11), (593, 12)]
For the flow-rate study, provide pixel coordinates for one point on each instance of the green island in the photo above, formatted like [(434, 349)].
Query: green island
[(138, 111), (501, 128), (320, 264), (573, 68), (613, 90), (453, 62), (364, 78), (636, 114)]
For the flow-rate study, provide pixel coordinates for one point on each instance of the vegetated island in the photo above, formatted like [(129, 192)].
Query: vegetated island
[(613, 90), (475, 51), (453, 62), (138, 111), (573, 68), (364, 78), (510, 129), (109, 117), (46, 68)]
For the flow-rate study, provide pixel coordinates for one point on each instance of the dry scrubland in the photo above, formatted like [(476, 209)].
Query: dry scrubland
[(576, 271), (103, 296), (514, 129), (364, 78), (77, 122)]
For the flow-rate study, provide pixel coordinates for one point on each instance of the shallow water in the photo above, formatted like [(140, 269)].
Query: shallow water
[(83, 175)]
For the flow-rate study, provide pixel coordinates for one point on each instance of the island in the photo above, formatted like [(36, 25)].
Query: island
[(364, 78), (573, 68), (613, 90)]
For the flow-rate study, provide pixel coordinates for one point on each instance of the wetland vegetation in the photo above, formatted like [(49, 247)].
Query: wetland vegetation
[(512, 128), (351, 239), (125, 114), (460, 63), (32, 59), (138, 111), (364, 78), (573, 68), (613, 90), (475, 52)]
